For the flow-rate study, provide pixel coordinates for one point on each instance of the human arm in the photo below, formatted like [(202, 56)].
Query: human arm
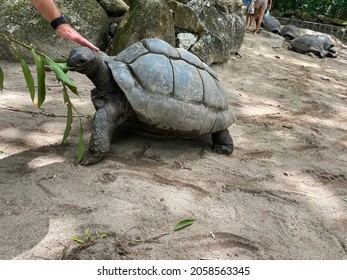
[(269, 6), (49, 10)]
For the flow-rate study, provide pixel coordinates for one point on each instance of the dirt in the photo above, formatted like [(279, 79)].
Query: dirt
[(281, 195)]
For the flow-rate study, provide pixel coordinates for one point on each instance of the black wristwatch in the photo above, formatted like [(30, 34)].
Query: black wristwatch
[(58, 21)]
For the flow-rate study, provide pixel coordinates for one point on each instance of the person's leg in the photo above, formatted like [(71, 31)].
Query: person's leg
[(250, 21), (256, 12), (260, 18)]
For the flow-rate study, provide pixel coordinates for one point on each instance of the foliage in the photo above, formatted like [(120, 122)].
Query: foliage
[(89, 237), (38, 98), (329, 8), (183, 224)]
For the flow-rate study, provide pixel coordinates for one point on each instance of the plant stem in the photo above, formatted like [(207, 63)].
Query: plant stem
[(8, 38)]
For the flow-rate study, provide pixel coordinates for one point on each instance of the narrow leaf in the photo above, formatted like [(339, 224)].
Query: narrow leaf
[(345, 199), (63, 66), (41, 76), (65, 95), (184, 223), (1, 79), (27, 75), (59, 71), (77, 240), (69, 117), (80, 151)]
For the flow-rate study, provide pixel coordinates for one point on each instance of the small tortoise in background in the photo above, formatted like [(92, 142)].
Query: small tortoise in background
[(290, 32), (271, 24), (168, 90), (319, 45)]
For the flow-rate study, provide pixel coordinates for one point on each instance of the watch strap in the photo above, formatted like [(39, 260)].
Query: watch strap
[(58, 21)]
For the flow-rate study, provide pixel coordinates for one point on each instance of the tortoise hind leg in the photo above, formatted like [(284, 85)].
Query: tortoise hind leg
[(222, 142)]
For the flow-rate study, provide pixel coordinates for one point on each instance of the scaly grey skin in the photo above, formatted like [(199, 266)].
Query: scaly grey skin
[(222, 142), (111, 106)]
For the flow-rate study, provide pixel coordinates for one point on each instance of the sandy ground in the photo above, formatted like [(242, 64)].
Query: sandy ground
[(279, 196)]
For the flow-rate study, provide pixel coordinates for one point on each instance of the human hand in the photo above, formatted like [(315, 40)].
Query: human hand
[(65, 31)]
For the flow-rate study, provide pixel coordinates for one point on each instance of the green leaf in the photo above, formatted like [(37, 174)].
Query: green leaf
[(63, 66), (345, 199), (103, 235), (80, 150), (1, 79), (69, 116), (27, 75), (41, 76), (1, 152), (184, 223), (59, 71), (77, 240)]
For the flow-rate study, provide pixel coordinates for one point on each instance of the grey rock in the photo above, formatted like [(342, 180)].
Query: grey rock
[(185, 40), (144, 19), (114, 7), (221, 35), (23, 22)]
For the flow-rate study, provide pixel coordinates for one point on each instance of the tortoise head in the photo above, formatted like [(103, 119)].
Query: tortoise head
[(83, 60)]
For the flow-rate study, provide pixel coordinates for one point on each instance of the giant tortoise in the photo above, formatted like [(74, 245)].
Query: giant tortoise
[(319, 45), (290, 32), (167, 90), (271, 24)]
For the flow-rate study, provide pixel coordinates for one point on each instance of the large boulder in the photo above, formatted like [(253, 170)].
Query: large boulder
[(20, 20), (114, 8), (219, 25), (144, 19)]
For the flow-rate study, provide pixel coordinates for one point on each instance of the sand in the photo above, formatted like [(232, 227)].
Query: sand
[(281, 195)]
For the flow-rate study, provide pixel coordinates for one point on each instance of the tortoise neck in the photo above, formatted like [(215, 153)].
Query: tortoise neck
[(100, 76)]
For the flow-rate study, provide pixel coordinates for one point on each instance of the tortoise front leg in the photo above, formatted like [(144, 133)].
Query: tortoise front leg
[(106, 119), (222, 142)]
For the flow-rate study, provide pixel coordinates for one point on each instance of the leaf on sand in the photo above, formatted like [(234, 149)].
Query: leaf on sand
[(184, 223), (77, 240)]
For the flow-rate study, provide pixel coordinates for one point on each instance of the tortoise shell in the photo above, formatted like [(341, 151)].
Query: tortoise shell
[(171, 89), (317, 44)]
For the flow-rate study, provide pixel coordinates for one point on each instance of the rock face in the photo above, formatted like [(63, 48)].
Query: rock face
[(219, 25), (21, 21), (114, 8), (211, 29), (145, 19)]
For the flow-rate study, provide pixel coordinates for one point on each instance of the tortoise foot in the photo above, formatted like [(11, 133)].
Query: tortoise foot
[(222, 143), (223, 149), (90, 157)]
